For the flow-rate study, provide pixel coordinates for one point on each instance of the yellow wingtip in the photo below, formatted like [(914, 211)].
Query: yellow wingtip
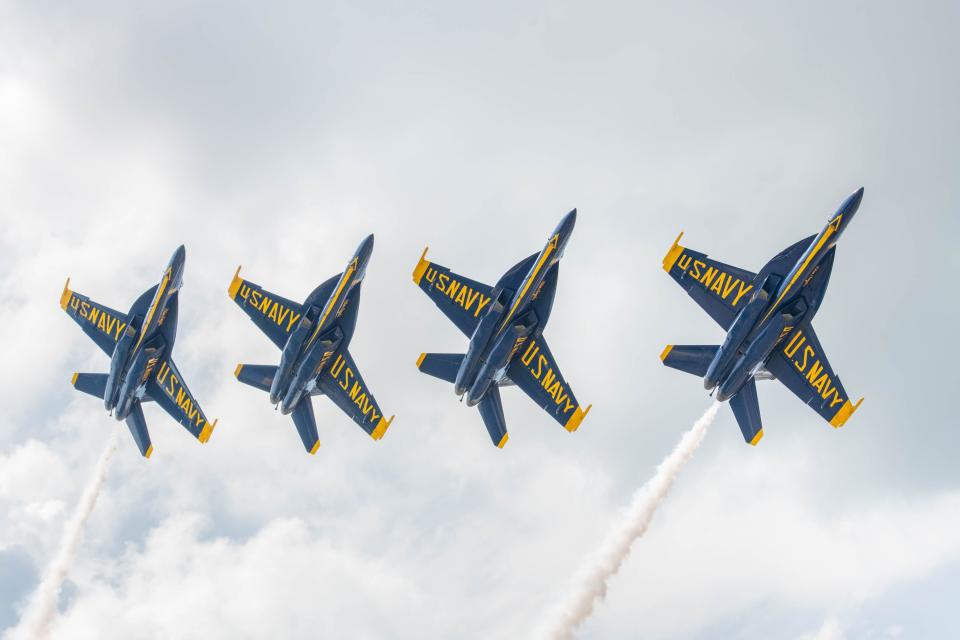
[(73, 378), (316, 446), (503, 440), (66, 295), (666, 352), (236, 372), (420, 359), (673, 254), (381, 428), (843, 414), (421, 267), (149, 452), (207, 431), (578, 415), (235, 284), (757, 437)]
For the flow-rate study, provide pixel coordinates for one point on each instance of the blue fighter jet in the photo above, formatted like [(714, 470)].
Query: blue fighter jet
[(768, 319), (505, 326), (313, 338), (139, 343)]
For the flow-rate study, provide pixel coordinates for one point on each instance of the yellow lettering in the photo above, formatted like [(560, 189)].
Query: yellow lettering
[(531, 351), (355, 390), (542, 360), (697, 265), (684, 262), (743, 291), (548, 378), (728, 288), (484, 301), (717, 287), (293, 319), (708, 277), (797, 340)]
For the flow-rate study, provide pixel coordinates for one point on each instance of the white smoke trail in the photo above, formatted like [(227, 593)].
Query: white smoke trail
[(43, 608), (591, 587)]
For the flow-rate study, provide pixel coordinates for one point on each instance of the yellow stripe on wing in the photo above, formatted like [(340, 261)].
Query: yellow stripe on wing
[(578, 415), (381, 428)]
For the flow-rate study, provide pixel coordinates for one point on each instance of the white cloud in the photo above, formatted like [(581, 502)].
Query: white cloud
[(279, 141)]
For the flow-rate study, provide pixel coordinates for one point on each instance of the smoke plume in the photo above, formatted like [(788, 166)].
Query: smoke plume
[(43, 608), (591, 586)]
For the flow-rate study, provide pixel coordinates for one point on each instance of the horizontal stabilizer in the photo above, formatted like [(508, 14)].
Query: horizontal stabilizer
[(138, 429), (692, 358), (259, 376), (440, 365), (93, 383), (746, 408), (491, 409)]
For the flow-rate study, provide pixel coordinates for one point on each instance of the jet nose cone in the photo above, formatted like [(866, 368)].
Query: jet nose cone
[(565, 228), (365, 248), (853, 201)]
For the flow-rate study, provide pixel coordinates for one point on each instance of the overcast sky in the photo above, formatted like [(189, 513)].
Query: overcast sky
[(278, 137)]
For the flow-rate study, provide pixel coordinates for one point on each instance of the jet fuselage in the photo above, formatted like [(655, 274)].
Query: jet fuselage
[(327, 323), (520, 308), (149, 333), (776, 307)]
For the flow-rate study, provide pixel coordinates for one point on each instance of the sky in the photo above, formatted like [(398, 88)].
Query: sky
[(278, 138)]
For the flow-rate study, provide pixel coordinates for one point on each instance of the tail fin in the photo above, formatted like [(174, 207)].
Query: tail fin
[(694, 359), (306, 425), (256, 375), (93, 383), (491, 409), (138, 429), (746, 408), (440, 365)]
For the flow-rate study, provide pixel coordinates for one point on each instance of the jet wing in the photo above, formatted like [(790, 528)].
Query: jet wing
[(103, 324), (169, 390), (275, 315), (801, 364), (343, 384), (537, 373), (720, 289), (461, 299)]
